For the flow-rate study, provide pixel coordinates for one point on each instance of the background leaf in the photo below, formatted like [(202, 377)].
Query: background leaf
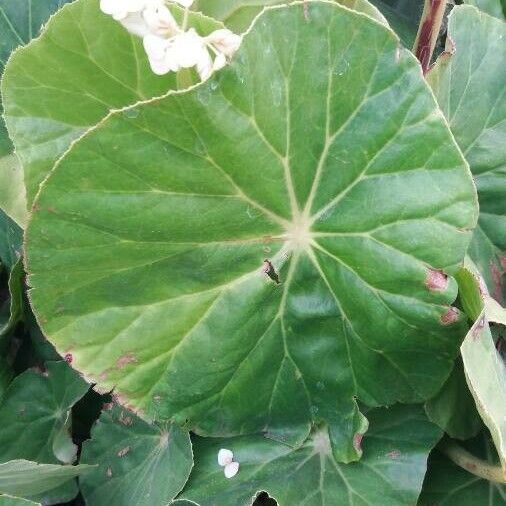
[(495, 8), (390, 472), (20, 21), (446, 484), (11, 241), (83, 65), (33, 410), (469, 85), (160, 220), (8, 500), (239, 14), (39, 482), (5, 375), (12, 189), (14, 306), (403, 16), (484, 367), (453, 408), (138, 463)]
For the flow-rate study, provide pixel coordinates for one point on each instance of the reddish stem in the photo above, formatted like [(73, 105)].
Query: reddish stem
[(428, 31)]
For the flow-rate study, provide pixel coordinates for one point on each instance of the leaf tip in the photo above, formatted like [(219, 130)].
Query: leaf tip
[(436, 280)]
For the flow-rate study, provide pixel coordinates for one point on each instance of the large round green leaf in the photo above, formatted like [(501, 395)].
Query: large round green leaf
[(320, 149), (138, 463), (469, 85), (389, 474), (83, 65)]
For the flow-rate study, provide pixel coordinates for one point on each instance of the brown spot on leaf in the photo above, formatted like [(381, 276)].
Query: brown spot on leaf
[(125, 360), (451, 316), (107, 406), (436, 280), (68, 358), (123, 451), (357, 441)]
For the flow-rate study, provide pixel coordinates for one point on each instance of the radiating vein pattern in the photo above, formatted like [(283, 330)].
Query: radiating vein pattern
[(148, 246)]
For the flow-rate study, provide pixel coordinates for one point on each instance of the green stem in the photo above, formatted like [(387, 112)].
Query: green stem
[(428, 31), (470, 463), (185, 19)]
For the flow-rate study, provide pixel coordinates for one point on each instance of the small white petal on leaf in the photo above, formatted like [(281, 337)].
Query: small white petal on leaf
[(225, 457), (231, 469)]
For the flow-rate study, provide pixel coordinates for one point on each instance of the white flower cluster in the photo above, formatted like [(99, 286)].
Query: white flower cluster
[(226, 460), (169, 46)]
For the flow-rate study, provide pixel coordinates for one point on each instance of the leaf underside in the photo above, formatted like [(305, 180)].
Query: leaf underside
[(158, 222)]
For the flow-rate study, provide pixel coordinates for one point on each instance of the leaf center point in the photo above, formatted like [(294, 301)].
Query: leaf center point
[(298, 234)]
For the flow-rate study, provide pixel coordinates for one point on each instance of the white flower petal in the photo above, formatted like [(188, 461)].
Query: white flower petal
[(231, 469), (225, 41), (189, 48), (219, 62), (160, 67), (119, 9), (159, 19), (109, 6), (135, 24), (225, 457), (205, 65), (155, 46), (135, 5)]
